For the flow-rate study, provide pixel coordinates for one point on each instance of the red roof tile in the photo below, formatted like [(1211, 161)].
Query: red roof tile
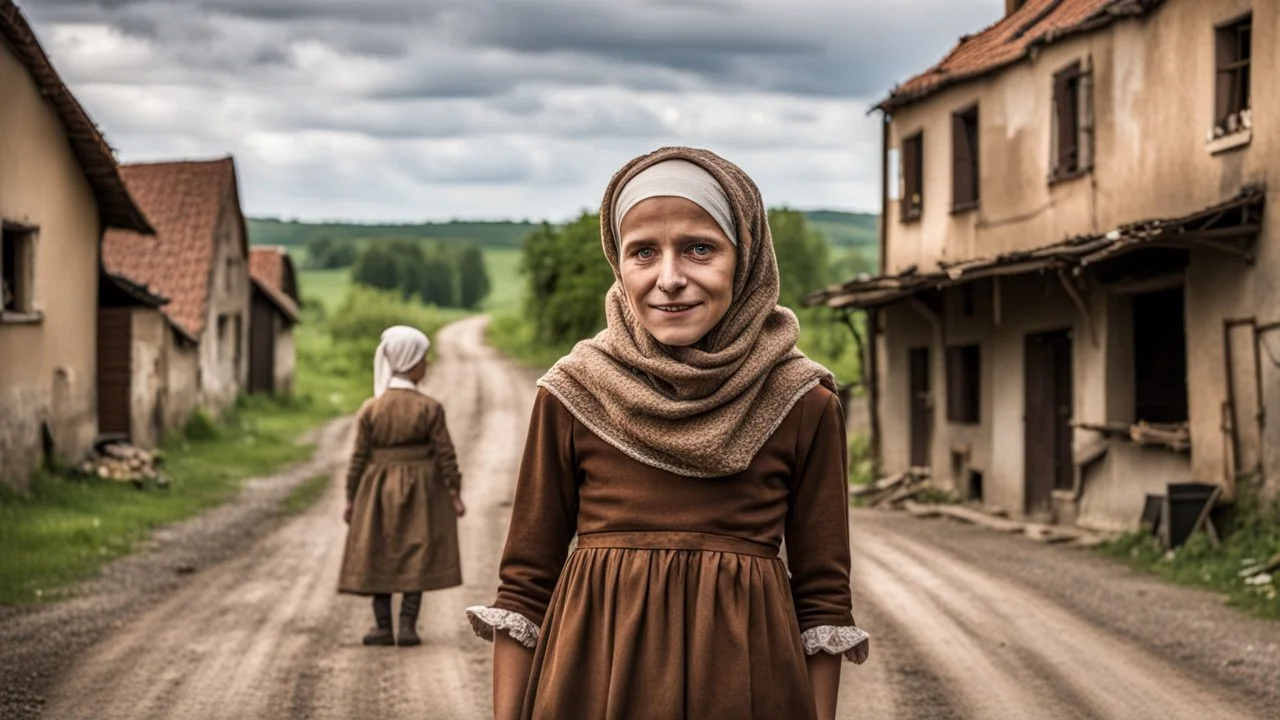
[(1035, 24), (271, 269), (183, 201), (95, 156)]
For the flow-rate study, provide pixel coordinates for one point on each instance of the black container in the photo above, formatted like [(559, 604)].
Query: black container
[(1183, 503)]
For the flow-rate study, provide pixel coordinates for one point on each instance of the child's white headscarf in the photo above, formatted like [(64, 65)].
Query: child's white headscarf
[(401, 348)]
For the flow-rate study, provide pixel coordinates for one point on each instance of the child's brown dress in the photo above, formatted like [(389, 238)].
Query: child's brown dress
[(404, 532), (675, 603)]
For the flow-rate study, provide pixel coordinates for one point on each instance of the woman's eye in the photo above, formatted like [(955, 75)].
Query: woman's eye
[(644, 253), (702, 249)]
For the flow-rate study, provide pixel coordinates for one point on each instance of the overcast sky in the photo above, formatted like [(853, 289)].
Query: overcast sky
[(406, 110)]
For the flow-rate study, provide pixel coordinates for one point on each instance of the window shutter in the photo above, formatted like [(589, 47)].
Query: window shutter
[(1064, 93), (1225, 78), (912, 197), (962, 162), (1084, 144)]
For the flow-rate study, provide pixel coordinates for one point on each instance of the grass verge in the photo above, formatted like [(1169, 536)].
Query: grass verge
[(305, 495), (63, 530), (1253, 538)]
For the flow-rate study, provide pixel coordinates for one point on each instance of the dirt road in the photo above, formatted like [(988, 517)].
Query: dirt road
[(266, 636), (965, 623)]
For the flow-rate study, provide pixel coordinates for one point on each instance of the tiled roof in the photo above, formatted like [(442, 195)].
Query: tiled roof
[(183, 200), (271, 270), (1014, 37), (96, 159)]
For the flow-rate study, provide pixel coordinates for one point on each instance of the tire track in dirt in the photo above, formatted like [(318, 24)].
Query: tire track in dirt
[(266, 634), (999, 650)]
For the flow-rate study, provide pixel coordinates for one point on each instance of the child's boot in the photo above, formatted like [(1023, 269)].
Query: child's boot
[(381, 634), (410, 604)]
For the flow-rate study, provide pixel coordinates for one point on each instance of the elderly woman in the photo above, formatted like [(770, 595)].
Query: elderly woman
[(403, 488), (682, 445)]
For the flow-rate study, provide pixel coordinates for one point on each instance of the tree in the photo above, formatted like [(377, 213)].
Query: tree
[(377, 267), (568, 277), (437, 283), (473, 278)]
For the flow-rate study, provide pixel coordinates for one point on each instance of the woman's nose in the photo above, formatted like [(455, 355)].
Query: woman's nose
[(671, 276)]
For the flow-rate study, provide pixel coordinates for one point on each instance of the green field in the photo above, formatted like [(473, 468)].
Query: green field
[(502, 264)]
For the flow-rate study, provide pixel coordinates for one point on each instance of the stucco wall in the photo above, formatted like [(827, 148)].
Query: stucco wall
[(182, 394), (285, 360), (1153, 103), (150, 371), (48, 369), (222, 377)]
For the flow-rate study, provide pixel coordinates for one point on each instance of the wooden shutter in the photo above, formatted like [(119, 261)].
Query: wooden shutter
[(912, 197), (1065, 100), (964, 155), (963, 384)]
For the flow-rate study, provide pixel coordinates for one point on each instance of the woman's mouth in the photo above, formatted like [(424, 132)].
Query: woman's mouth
[(675, 309)]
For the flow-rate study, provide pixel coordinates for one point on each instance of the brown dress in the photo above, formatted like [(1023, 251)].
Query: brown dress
[(674, 603), (404, 533)]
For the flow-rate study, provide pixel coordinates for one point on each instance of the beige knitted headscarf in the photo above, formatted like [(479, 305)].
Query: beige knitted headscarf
[(707, 409)]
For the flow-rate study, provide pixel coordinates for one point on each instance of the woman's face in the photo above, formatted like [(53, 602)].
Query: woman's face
[(677, 269)]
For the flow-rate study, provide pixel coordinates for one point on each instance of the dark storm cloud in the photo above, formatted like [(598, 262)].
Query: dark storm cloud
[(849, 48)]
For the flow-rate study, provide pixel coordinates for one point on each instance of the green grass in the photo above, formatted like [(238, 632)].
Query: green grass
[(63, 529), (305, 495), (512, 335), (505, 281), (1253, 537), (327, 286)]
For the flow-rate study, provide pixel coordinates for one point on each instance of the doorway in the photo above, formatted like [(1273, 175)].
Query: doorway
[(921, 408), (1049, 463)]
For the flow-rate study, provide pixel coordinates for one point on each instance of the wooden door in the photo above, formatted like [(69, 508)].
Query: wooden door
[(1049, 464), (921, 407), (262, 346), (115, 371)]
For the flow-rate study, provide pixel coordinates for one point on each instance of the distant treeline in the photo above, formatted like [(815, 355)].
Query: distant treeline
[(440, 274), (842, 230)]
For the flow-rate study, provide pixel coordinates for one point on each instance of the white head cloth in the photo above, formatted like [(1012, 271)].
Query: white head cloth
[(401, 348), (676, 178)]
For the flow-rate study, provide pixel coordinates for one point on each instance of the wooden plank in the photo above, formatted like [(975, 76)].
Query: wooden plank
[(969, 515)]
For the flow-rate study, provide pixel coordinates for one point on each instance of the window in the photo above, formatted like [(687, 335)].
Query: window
[(1233, 48), (1072, 122), (1160, 357), (913, 177), (964, 159), (17, 269), (963, 384)]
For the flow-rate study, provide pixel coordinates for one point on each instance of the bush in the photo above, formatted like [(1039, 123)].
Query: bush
[(200, 426)]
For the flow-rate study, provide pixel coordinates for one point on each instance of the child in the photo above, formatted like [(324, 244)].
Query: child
[(403, 491)]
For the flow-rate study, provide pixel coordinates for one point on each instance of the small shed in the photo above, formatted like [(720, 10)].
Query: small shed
[(273, 313)]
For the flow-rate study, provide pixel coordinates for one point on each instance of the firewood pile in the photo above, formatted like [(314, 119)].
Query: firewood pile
[(123, 463), (895, 488)]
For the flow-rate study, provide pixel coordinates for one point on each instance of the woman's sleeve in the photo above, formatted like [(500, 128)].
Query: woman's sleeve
[(359, 454), (818, 535), (446, 454), (543, 518)]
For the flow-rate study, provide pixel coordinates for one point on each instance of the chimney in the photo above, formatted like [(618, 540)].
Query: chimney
[(1012, 6)]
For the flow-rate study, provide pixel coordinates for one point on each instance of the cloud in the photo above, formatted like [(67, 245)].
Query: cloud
[(405, 109)]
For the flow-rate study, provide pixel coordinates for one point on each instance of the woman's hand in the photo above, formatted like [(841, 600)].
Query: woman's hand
[(512, 664), (458, 506), (346, 513)]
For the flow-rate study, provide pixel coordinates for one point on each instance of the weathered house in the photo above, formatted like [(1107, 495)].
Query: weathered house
[(198, 259), (274, 313), (1079, 297), (59, 189)]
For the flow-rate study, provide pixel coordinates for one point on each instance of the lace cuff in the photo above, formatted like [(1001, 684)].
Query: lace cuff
[(847, 640), (485, 620)]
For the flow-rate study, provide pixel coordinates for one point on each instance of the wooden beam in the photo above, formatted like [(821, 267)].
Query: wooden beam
[(1074, 294), (996, 304)]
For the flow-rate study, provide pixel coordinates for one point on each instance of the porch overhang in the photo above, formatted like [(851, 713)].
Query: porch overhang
[(1229, 227)]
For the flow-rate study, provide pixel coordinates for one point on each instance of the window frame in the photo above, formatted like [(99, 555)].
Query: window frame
[(1075, 81), (966, 159), (1232, 114), (23, 238), (912, 169)]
